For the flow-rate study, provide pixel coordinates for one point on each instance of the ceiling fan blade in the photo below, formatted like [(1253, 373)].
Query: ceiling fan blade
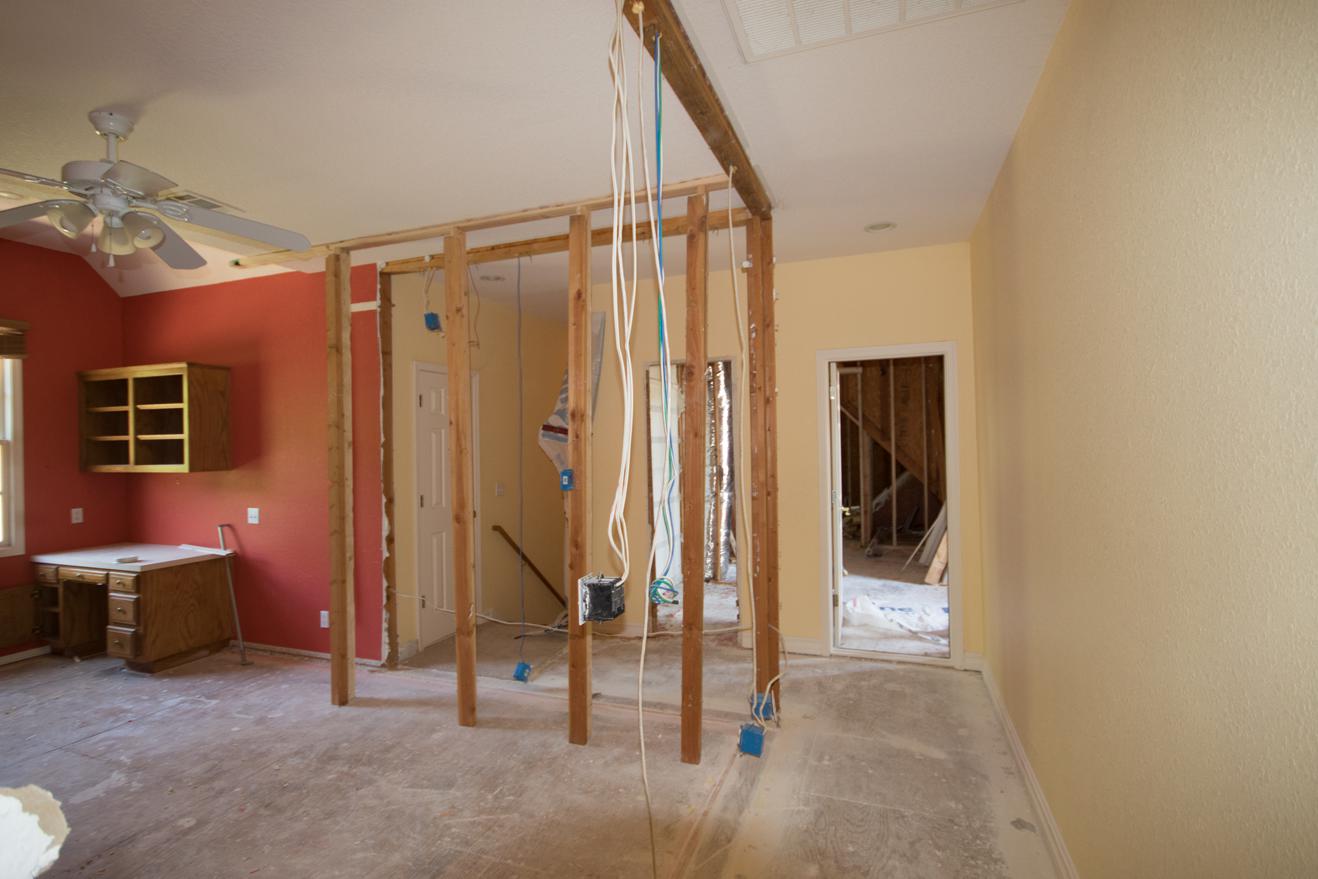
[(25, 212), (137, 180), (33, 178), (240, 226), (176, 252)]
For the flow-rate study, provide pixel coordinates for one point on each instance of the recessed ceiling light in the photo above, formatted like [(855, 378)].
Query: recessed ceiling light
[(5, 193), (491, 277), (880, 227)]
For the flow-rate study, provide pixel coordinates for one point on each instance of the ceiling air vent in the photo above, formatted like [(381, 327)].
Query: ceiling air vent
[(198, 201), (767, 28)]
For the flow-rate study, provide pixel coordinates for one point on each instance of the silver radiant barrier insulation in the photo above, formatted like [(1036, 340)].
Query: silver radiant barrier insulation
[(718, 472)]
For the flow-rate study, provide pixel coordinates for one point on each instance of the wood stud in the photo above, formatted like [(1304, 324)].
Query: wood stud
[(693, 477), (687, 77), (578, 499), (385, 327), (342, 612), (457, 338)]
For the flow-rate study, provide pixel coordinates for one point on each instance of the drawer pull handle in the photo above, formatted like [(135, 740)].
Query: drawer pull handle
[(118, 642), (119, 610)]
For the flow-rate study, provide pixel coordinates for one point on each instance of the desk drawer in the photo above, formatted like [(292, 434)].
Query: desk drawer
[(47, 574), (123, 582), (123, 610), (121, 641), (83, 575)]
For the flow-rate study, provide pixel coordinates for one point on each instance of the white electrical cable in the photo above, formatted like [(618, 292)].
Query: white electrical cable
[(744, 560), (664, 360), (622, 173)]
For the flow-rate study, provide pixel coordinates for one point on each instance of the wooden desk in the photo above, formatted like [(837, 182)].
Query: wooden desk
[(168, 607)]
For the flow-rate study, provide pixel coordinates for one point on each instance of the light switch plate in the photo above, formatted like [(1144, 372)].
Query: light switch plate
[(75, 515), (253, 515), (498, 489), (324, 619)]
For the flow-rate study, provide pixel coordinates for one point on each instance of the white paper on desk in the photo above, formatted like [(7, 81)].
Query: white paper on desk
[(207, 549)]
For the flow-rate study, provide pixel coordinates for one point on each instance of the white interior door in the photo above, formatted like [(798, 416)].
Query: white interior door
[(434, 519), (835, 494)]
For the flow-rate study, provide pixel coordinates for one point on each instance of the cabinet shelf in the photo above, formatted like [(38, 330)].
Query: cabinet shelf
[(160, 418)]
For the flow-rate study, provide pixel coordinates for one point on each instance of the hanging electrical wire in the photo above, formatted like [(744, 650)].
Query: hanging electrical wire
[(617, 64), (740, 475), (623, 299), (521, 482)]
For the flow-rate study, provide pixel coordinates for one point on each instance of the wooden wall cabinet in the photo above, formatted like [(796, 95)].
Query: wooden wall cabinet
[(161, 418)]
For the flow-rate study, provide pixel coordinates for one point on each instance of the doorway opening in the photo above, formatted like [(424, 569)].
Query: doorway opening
[(890, 488), (435, 603), (665, 508)]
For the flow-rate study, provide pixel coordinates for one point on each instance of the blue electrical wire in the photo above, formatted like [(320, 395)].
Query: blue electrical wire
[(662, 590)]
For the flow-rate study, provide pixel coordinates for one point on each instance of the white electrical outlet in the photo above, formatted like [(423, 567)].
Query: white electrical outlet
[(253, 515), (75, 515), (324, 619)]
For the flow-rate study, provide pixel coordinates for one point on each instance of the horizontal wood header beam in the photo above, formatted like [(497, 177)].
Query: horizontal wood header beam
[(680, 189), (686, 75), (600, 237)]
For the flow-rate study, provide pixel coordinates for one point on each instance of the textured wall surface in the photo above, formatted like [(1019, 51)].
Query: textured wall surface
[(270, 332), (1146, 304), (893, 298), (75, 325), (544, 350)]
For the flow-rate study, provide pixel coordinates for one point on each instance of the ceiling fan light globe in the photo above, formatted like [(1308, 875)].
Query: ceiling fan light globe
[(69, 217), (115, 239), (144, 230)]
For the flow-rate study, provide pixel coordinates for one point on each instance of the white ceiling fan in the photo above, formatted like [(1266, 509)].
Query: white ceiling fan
[(127, 199)]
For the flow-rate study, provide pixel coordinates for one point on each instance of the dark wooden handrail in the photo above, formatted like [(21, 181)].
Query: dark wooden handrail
[(498, 529)]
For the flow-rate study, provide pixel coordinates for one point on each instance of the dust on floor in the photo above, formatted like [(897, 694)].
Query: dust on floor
[(216, 770)]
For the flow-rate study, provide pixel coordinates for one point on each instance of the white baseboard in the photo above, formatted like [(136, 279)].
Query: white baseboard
[(1052, 835), (293, 651), (24, 654), (408, 649), (806, 646)]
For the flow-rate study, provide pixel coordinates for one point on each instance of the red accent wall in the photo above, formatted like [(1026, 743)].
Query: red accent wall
[(271, 332), (76, 324)]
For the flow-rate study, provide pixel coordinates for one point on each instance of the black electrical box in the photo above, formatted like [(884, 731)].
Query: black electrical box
[(600, 598)]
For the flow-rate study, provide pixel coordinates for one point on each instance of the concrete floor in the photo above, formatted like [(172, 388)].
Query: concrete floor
[(212, 769)]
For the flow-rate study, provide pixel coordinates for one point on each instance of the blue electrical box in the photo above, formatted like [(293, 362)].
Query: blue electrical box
[(567, 480), (751, 740), (762, 706), (522, 672)]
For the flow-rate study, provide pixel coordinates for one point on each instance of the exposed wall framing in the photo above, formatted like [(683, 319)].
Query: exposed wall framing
[(457, 340), (342, 611), (685, 74), (693, 477), (389, 565), (578, 501)]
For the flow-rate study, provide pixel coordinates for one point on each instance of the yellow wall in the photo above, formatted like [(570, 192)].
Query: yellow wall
[(1145, 310), (898, 297), (545, 358)]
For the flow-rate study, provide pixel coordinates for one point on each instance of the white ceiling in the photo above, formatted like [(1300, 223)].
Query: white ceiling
[(339, 118)]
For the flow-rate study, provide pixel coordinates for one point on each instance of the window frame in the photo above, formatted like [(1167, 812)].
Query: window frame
[(12, 501)]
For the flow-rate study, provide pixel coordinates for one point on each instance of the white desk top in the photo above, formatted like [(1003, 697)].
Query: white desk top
[(150, 557)]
